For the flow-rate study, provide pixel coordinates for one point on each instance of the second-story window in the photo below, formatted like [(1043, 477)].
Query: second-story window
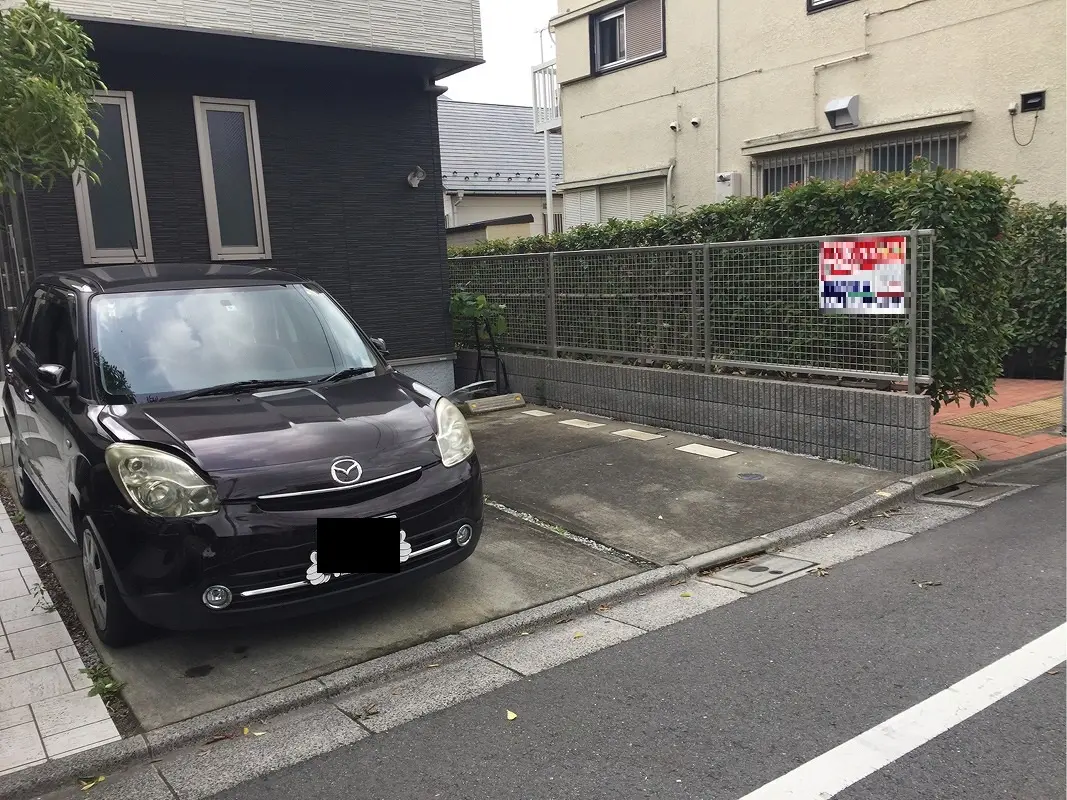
[(628, 33)]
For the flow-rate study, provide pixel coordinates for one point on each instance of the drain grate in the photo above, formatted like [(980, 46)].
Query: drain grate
[(749, 576), (973, 495)]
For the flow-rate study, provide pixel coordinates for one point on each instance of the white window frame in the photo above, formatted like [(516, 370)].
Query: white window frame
[(142, 250), (600, 20), (201, 105)]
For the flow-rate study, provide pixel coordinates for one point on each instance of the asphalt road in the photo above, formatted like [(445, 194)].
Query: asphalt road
[(718, 706)]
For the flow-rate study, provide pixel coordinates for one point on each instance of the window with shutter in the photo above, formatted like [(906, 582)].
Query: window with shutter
[(631, 201), (628, 34), (580, 208), (614, 202)]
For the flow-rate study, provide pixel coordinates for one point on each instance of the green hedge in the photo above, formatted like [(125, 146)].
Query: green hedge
[(1037, 258), (970, 211)]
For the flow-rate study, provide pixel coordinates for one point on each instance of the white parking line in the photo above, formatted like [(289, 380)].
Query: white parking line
[(535, 412), (641, 436), (581, 423), (837, 769), (706, 451)]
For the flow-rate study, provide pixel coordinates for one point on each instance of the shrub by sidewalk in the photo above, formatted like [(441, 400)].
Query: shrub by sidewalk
[(1037, 259)]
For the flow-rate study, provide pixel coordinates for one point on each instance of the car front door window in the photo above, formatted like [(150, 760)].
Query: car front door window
[(50, 342)]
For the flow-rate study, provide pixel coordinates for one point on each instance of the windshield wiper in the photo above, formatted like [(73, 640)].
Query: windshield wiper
[(235, 387), (348, 372)]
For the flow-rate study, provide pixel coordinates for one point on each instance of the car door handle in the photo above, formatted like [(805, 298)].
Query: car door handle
[(30, 398), (8, 369)]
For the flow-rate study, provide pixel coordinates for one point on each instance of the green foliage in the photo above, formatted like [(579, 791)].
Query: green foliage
[(104, 685), (47, 128), (1036, 253), (968, 210), (471, 310), (945, 454)]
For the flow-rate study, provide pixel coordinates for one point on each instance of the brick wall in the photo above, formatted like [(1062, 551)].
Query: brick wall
[(889, 431)]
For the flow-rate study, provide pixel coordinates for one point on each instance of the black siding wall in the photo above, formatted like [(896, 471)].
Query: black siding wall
[(336, 148)]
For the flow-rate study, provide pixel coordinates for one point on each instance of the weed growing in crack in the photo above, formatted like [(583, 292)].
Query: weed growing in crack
[(104, 685)]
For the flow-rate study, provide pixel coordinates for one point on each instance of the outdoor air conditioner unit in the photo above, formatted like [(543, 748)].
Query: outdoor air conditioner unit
[(727, 184)]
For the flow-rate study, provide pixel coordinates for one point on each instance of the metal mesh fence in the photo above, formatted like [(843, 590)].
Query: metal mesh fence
[(746, 305)]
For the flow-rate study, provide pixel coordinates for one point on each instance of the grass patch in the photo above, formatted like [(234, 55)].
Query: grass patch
[(947, 455)]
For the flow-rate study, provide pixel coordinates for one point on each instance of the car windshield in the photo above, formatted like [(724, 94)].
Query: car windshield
[(149, 346)]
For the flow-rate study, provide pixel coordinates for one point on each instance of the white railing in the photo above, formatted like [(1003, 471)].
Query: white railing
[(547, 113)]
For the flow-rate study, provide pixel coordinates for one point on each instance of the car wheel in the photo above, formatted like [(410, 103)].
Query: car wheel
[(115, 624), (28, 496)]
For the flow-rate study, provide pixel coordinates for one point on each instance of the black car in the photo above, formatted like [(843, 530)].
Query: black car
[(193, 427)]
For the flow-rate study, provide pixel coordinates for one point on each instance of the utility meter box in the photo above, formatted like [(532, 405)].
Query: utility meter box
[(727, 184)]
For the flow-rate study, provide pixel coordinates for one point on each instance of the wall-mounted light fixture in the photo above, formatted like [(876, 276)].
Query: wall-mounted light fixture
[(843, 112), (416, 176)]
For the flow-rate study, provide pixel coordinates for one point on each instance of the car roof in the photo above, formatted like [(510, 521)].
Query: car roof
[(158, 277)]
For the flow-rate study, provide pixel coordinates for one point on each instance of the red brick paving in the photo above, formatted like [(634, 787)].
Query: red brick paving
[(993, 446)]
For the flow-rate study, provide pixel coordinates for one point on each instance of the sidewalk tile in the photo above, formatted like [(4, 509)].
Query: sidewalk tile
[(20, 747), (19, 715), (79, 680), (32, 686), (37, 640), (68, 653), (68, 711), (35, 661), (15, 560), (21, 606), (12, 587), (31, 621), (83, 738)]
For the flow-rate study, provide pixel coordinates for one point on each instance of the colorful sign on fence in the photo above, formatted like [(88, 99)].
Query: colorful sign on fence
[(863, 276)]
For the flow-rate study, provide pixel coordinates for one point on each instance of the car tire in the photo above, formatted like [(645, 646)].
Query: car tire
[(115, 624), (26, 493)]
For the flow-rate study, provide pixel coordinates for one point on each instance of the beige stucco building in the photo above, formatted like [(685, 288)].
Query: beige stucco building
[(669, 104)]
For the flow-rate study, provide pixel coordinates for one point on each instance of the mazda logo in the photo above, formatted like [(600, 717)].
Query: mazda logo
[(346, 471)]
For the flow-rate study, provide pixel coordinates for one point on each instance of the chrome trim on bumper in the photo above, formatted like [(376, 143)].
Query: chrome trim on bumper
[(347, 487), (297, 584)]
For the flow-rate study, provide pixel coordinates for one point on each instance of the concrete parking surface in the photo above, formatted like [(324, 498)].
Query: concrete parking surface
[(638, 494)]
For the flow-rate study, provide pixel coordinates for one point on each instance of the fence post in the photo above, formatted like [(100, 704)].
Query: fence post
[(913, 306), (707, 309), (550, 307), (694, 302)]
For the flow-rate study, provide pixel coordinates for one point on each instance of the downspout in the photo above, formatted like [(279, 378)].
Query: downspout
[(718, 75), (670, 186)]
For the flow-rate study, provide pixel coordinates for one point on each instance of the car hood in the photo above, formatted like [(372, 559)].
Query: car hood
[(285, 440)]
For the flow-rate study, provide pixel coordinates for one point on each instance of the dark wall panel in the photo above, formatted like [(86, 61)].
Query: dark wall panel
[(337, 147)]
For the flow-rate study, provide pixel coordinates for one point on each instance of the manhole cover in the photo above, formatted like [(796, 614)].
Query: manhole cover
[(974, 495), (762, 569), (750, 476)]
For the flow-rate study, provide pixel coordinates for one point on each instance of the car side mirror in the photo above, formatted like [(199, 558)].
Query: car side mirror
[(379, 345), (52, 376)]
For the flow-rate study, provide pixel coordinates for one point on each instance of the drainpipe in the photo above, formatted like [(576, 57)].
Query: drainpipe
[(718, 75), (670, 185)]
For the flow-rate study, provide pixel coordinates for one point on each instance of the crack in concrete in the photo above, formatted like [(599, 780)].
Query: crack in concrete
[(577, 538)]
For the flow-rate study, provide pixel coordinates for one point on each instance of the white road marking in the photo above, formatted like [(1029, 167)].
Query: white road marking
[(641, 436), (534, 412), (706, 451), (581, 423), (837, 769)]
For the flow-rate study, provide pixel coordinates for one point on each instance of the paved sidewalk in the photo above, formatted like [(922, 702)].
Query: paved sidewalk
[(45, 708), (1022, 418)]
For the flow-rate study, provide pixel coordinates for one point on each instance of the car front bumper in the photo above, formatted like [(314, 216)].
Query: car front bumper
[(261, 551)]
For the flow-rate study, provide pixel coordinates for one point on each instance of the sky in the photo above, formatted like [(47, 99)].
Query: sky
[(510, 48)]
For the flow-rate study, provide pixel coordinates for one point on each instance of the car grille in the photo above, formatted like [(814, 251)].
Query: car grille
[(338, 497)]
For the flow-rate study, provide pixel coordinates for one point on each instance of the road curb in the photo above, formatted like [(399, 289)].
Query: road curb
[(53, 775)]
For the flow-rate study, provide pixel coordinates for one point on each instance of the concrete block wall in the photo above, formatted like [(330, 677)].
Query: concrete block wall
[(889, 431)]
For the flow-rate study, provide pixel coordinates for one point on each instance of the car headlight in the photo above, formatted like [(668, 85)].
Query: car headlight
[(453, 436), (159, 484)]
